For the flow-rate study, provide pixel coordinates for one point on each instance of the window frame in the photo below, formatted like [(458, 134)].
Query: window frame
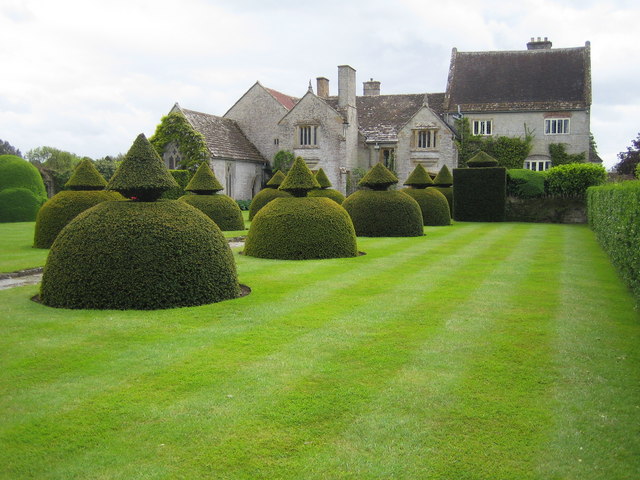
[(546, 164), (307, 135), (426, 139), (479, 127), (553, 123)]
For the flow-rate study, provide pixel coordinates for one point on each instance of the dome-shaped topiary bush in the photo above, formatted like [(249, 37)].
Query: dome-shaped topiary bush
[(380, 212), (325, 189), (85, 190), (139, 254), (265, 195), (434, 205), (300, 227), (22, 190), (222, 209), (444, 184)]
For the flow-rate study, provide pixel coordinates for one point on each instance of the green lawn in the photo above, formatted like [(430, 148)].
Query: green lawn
[(480, 351)]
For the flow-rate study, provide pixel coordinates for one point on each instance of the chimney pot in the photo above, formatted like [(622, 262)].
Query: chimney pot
[(371, 88)]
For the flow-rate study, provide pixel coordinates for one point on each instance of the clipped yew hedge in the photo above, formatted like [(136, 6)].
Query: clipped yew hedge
[(433, 204), (222, 209), (384, 213), (141, 256), (59, 210), (480, 194), (614, 216), (263, 197), (525, 183), (334, 195), (22, 190), (301, 228)]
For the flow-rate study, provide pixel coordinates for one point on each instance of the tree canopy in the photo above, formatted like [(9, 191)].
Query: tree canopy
[(629, 159)]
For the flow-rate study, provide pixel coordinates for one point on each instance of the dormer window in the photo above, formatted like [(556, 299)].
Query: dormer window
[(307, 135), (426, 139)]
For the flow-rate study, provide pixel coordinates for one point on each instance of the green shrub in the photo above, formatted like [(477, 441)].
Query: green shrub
[(377, 213), (419, 178), (86, 177), (204, 181), (638, 171), (378, 178), (433, 204), (139, 255), (614, 216), (244, 204), (479, 194), (263, 197), (444, 178), (182, 178), (448, 194), (299, 181), (573, 179), (222, 209), (18, 205), (334, 195), (63, 207), (300, 228), (283, 160), (525, 183), (559, 155)]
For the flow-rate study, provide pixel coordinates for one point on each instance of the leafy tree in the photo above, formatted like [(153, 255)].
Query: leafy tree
[(283, 160), (107, 165), (57, 164), (559, 155), (629, 159), (7, 149)]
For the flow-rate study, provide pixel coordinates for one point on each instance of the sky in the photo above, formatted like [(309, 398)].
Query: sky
[(88, 76)]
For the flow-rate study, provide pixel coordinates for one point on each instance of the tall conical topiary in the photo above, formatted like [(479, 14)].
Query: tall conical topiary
[(142, 175), (378, 178), (86, 177), (325, 190), (276, 180), (419, 178), (204, 181), (482, 159), (299, 180), (444, 177), (265, 195), (222, 209), (85, 190)]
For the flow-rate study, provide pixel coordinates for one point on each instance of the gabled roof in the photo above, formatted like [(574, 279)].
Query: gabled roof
[(223, 137), (286, 101), (381, 117), (544, 79)]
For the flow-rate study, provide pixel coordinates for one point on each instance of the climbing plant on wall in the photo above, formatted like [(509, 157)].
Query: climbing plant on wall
[(176, 128)]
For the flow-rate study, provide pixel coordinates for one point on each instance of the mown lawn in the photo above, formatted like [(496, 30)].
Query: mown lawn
[(480, 351)]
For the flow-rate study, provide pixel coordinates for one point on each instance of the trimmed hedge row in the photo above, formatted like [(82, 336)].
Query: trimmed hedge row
[(59, 210), (574, 179), (614, 216), (525, 183), (480, 194), (222, 209), (140, 256), (301, 228)]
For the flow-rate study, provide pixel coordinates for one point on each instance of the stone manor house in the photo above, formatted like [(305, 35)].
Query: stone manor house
[(542, 90)]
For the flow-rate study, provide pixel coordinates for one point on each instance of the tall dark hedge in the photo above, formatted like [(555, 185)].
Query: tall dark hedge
[(301, 228), (63, 207), (433, 204), (384, 213), (141, 256), (222, 209), (614, 216), (480, 194)]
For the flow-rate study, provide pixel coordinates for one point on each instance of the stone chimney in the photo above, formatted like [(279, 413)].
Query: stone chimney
[(539, 44), (346, 86), (371, 88), (323, 87)]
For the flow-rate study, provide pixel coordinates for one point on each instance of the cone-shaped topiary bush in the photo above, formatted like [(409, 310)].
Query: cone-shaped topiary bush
[(140, 254), (433, 204), (220, 208), (265, 195), (142, 175), (300, 227), (85, 190), (419, 178), (444, 184), (380, 212), (482, 159), (22, 190), (325, 190)]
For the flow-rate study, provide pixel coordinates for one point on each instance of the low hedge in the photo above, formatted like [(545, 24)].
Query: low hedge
[(63, 207), (574, 179), (525, 183), (220, 208), (433, 204), (141, 256), (480, 194), (384, 213), (263, 197), (614, 216), (300, 228), (331, 193)]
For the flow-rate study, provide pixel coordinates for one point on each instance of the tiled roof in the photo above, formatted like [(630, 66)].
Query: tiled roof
[(223, 137), (545, 79), (285, 100), (381, 117)]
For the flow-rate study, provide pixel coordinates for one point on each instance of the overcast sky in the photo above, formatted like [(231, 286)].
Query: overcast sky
[(88, 76)]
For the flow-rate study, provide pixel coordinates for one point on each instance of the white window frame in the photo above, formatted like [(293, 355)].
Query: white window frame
[(537, 165), (482, 127), (426, 139), (308, 136), (557, 126)]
